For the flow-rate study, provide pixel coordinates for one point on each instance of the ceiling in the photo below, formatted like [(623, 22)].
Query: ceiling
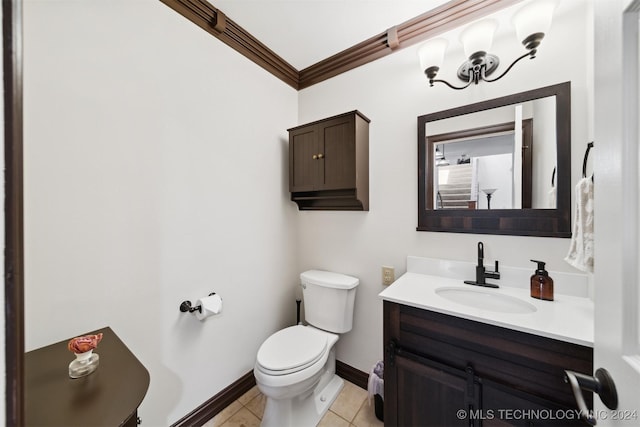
[(304, 32)]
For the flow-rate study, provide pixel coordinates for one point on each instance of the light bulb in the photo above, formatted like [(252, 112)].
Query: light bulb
[(535, 17), (478, 37), (431, 53)]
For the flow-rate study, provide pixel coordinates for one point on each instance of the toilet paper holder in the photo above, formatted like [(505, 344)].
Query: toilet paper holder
[(187, 306)]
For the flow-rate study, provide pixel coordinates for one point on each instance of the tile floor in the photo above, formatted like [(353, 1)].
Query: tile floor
[(351, 409)]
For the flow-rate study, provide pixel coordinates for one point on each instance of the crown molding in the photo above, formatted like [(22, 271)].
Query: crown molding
[(436, 21), (213, 21)]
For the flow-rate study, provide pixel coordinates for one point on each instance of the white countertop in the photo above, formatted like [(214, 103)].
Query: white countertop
[(567, 318)]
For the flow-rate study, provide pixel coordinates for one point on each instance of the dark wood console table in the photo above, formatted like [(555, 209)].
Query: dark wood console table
[(110, 396)]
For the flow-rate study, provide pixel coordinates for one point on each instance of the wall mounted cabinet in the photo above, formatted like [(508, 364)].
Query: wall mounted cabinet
[(445, 370), (329, 163)]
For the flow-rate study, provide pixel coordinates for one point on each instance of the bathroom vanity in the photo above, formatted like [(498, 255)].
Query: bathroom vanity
[(462, 355)]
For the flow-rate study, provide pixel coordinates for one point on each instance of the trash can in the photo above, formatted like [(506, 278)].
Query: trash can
[(379, 407), (376, 388)]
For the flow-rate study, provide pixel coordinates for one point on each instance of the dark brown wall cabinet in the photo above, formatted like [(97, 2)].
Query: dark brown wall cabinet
[(329, 163), (446, 371)]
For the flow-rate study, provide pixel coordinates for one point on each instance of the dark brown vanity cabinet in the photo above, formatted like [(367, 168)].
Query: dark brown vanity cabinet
[(443, 370), (329, 163)]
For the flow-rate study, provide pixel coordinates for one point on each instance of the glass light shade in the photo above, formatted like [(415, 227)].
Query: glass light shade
[(534, 17), (431, 53), (478, 36)]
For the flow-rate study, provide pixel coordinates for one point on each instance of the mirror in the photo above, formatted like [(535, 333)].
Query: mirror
[(478, 168), (498, 167)]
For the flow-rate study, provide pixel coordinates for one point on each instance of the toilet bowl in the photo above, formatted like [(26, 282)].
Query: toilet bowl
[(295, 367)]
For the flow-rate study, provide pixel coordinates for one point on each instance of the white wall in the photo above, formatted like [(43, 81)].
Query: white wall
[(392, 92), (155, 172), (496, 172)]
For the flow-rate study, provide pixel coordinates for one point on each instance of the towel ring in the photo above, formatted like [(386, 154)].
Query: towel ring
[(584, 162)]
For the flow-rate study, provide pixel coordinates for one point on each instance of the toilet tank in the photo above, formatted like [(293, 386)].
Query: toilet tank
[(328, 299)]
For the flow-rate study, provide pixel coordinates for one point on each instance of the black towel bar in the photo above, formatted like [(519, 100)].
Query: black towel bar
[(584, 162)]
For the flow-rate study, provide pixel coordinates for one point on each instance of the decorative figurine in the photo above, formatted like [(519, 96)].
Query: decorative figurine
[(86, 361)]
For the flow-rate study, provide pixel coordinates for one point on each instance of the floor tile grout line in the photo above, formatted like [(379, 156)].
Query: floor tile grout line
[(257, 416), (359, 410), (339, 416), (232, 414), (249, 409)]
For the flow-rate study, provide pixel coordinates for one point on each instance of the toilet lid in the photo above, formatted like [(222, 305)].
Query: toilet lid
[(292, 349)]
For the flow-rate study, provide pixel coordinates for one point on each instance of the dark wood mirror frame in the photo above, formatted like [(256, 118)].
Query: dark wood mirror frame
[(521, 222)]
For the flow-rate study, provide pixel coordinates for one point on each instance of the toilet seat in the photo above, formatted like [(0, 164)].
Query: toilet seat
[(291, 350)]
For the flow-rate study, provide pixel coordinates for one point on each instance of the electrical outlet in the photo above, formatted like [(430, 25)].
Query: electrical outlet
[(388, 275)]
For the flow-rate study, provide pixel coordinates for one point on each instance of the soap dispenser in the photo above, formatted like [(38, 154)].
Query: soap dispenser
[(541, 283)]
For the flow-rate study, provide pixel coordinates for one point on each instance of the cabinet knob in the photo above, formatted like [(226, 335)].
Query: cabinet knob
[(315, 157), (320, 156)]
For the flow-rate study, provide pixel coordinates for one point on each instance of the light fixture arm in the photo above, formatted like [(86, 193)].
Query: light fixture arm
[(531, 54), (477, 73), (431, 73), (432, 81)]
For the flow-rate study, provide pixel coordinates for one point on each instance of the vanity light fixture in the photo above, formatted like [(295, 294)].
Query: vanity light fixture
[(440, 159), (530, 22)]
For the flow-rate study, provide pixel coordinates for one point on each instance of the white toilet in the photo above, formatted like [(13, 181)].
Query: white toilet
[(295, 367)]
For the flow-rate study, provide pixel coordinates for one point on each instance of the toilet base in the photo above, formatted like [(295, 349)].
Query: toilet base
[(303, 411)]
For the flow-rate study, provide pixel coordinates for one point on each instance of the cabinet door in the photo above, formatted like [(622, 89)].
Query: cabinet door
[(429, 394), (337, 145), (303, 161), (506, 406)]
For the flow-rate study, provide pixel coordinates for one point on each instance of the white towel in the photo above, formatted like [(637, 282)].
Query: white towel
[(580, 253), (552, 198)]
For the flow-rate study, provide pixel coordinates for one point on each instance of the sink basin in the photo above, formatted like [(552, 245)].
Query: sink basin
[(486, 300)]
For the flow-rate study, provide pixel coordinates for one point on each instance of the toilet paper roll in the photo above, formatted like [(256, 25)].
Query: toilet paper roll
[(209, 306)]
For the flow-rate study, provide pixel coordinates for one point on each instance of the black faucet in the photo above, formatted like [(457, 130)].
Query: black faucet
[(482, 273)]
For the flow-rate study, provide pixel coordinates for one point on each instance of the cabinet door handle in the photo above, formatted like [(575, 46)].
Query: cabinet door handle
[(601, 384), (321, 156), (392, 349)]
